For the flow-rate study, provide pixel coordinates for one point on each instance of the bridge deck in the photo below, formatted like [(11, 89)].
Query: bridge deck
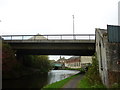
[(52, 46), (50, 37), (50, 41)]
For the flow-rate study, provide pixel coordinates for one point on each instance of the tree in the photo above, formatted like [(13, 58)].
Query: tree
[(8, 58), (40, 62)]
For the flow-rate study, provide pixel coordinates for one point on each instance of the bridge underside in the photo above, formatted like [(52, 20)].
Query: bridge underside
[(54, 48), (56, 52)]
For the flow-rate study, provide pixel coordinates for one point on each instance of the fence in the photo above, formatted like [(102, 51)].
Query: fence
[(50, 37)]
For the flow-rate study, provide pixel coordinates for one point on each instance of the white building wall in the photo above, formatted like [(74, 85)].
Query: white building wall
[(85, 60), (101, 56)]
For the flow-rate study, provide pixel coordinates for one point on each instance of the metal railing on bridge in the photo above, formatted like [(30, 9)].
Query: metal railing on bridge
[(50, 37)]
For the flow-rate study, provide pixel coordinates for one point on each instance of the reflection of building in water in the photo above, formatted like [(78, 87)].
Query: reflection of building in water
[(57, 75)]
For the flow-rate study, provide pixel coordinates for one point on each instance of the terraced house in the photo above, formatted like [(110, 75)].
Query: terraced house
[(78, 61)]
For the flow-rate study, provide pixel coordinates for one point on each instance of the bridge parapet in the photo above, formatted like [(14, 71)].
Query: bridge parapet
[(49, 37)]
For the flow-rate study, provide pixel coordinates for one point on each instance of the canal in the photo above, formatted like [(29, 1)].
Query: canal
[(38, 80)]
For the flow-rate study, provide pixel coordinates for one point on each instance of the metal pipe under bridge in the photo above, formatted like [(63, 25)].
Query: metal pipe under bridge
[(54, 44)]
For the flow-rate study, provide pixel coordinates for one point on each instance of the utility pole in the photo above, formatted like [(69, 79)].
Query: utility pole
[(73, 27)]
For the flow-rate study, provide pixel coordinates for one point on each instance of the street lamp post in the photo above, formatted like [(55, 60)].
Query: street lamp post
[(73, 24), (73, 27)]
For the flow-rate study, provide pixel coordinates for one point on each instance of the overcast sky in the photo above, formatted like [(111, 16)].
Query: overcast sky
[(55, 16)]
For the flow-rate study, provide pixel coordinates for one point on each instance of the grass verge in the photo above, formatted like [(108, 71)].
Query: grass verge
[(84, 83), (92, 78), (61, 83)]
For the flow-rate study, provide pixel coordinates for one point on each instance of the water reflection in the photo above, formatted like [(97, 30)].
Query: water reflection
[(57, 75), (38, 80)]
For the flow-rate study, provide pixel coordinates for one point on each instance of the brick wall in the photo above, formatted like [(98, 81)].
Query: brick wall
[(108, 55), (113, 56)]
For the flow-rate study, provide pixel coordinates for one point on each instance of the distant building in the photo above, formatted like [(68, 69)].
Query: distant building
[(61, 60), (58, 65), (85, 61), (73, 62), (108, 54), (78, 62)]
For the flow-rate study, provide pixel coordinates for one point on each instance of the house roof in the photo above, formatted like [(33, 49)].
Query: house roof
[(74, 57), (39, 37)]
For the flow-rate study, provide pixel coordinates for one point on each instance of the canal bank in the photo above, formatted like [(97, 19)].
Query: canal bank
[(70, 82)]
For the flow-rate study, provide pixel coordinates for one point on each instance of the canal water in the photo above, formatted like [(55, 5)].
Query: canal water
[(38, 80)]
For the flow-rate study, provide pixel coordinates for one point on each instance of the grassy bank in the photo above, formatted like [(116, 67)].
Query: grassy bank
[(61, 83), (84, 83), (92, 78)]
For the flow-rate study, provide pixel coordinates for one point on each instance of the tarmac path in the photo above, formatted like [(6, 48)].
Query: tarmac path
[(73, 82)]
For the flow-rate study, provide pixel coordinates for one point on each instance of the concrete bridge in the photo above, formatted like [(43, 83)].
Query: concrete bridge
[(62, 44)]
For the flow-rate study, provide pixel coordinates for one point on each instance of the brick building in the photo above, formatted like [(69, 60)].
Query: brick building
[(73, 62), (78, 61)]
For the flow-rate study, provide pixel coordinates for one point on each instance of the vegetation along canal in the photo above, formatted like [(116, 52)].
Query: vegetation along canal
[(38, 80)]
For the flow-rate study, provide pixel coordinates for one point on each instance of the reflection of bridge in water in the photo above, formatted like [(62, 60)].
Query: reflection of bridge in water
[(62, 44)]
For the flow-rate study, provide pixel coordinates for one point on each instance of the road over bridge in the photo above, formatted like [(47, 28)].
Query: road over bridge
[(63, 44)]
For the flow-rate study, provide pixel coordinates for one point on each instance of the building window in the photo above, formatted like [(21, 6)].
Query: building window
[(101, 56)]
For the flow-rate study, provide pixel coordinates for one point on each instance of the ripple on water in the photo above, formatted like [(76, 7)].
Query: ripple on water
[(57, 75)]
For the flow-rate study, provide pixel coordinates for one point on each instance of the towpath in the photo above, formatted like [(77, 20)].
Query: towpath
[(73, 82)]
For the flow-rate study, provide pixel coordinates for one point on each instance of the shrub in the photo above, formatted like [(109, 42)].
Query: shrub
[(115, 85), (92, 78), (40, 62), (93, 72), (8, 58)]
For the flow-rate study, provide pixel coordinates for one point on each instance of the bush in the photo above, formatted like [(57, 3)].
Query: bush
[(40, 62), (115, 85), (93, 72), (10, 66), (92, 78), (8, 58)]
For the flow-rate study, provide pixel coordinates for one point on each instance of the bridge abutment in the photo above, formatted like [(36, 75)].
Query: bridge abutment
[(108, 55)]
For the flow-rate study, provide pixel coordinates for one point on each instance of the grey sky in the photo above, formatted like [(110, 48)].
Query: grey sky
[(119, 13), (55, 16)]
